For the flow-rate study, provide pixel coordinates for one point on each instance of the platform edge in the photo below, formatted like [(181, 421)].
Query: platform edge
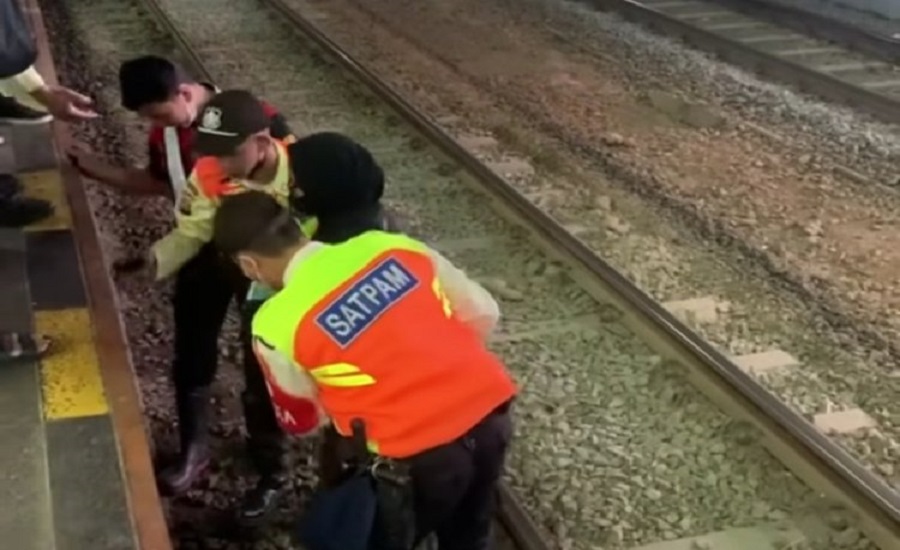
[(145, 506)]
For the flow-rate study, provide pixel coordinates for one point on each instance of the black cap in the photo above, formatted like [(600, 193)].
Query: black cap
[(335, 173), (227, 120)]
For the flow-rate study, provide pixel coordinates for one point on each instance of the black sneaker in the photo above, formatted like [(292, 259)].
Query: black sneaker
[(21, 211), (262, 499), (15, 113), (9, 186)]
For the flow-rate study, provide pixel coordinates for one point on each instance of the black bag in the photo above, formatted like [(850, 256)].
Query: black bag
[(340, 518), (394, 527), (18, 50), (371, 508)]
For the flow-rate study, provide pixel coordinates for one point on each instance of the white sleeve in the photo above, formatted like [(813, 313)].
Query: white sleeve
[(293, 392), (22, 84), (471, 302)]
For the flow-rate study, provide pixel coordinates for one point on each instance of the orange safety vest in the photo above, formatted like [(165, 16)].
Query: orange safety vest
[(212, 181), (368, 320)]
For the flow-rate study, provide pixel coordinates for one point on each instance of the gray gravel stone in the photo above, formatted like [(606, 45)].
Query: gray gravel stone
[(608, 430)]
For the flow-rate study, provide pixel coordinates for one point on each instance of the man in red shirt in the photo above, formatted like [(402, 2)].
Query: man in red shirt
[(162, 93)]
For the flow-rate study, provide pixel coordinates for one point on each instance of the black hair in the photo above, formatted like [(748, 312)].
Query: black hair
[(254, 222), (149, 79)]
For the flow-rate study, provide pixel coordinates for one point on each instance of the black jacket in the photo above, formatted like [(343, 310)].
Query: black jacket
[(18, 50)]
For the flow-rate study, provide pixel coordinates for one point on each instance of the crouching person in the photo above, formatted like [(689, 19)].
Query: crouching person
[(338, 186), (385, 338)]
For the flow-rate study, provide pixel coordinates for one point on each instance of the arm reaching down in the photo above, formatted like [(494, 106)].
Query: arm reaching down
[(471, 303), (194, 215)]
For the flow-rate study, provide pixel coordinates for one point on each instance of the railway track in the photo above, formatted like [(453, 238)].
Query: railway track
[(822, 56), (619, 398)]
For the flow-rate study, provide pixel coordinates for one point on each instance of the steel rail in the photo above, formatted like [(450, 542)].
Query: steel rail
[(812, 456), (819, 26), (789, 72), (149, 528), (521, 529), (804, 449)]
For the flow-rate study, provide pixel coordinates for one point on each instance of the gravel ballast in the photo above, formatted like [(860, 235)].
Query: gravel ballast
[(796, 272), (606, 429)]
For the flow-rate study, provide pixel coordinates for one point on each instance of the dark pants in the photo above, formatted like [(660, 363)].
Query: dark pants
[(455, 485), (203, 291)]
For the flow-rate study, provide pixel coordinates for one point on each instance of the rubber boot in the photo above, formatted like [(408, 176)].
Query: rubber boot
[(265, 445), (193, 460)]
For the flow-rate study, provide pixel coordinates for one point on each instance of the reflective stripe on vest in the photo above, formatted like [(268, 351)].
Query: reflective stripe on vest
[(369, 322), (174, 163)]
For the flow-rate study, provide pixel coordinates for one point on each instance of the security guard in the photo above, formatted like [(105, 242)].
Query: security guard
[(341, 184), (382, 329), (236, 152)]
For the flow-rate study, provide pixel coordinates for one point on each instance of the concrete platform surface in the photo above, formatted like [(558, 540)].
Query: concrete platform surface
[(61, 481)]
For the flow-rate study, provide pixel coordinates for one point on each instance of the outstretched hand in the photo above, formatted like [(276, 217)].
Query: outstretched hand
[(65, 103)]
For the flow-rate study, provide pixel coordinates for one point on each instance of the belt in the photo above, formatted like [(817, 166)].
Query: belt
[(345, 449)]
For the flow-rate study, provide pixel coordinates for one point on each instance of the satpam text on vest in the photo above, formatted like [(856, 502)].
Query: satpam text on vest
[(360, 305)]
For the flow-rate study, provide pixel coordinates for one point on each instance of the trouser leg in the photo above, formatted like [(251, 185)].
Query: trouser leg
[(455, 486), (265, 441), (469, 526), (200, 303)]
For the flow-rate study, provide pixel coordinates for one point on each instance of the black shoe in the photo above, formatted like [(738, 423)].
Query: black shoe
[(10, 186), (193, 428), (15, 113), (263, 499), (21, 211)]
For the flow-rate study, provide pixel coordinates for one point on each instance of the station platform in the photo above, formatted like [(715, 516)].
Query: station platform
[(61, 475), (75, 466)]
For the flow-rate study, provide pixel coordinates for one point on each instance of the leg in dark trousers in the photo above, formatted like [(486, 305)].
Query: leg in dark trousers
[(265, 442), (455, 485), (203, 290)]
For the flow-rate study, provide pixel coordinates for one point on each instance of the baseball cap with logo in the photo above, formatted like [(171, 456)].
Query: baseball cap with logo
[(227, 121)]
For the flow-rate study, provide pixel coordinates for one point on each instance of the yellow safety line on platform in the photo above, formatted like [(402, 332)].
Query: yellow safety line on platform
[(70, 375), (47, 185)]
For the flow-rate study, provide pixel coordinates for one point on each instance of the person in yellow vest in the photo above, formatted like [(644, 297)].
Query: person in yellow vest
[(236, 152), (382, 329)]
